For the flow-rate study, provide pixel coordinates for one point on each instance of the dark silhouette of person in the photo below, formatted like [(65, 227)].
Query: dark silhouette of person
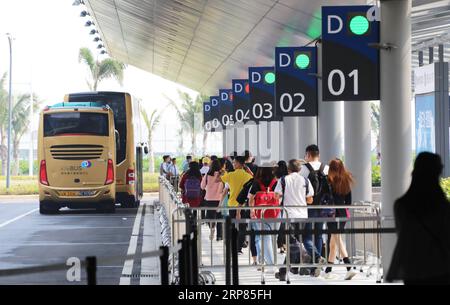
[(422, 220)]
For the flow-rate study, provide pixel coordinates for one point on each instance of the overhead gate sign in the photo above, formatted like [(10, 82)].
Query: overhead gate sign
[(350, 53), (296, 85)]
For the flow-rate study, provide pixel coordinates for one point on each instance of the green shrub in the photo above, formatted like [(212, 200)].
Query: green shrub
[(445, 184), (376, 175)]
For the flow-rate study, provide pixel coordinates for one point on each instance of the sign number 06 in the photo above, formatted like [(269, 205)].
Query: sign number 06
[(340, 74)]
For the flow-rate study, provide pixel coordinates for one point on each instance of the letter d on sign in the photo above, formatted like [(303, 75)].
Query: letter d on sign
[(287, 61), (207, 108), (256, 77), (74, 272), (224, 96), (341, 24), (238, 88)]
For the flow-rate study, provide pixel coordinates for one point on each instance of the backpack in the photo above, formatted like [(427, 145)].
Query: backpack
[(192, 188), (266, 197), (319, 182), (243, 194)]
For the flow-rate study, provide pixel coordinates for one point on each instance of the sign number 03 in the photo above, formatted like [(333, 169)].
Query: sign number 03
[(262, 111), (342, 83)]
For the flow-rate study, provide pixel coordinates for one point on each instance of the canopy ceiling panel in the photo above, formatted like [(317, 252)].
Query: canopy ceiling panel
[(203, 44)]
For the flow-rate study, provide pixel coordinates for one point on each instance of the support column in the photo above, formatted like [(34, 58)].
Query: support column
[(307, 127), (395, 106), (251, 138), (268, 142), (241, 143), (357, 148), (291, 136), (330, 122), (229, 141)]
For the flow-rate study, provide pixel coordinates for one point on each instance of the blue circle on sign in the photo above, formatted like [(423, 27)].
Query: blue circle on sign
[(86, 164)]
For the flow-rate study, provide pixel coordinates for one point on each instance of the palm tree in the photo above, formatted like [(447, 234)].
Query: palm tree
[(189, 114), (20, 123), (151, 122), (101, 70), (3, 123), (375, 122)]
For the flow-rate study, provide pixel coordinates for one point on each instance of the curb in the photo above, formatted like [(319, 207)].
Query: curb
[(35, 196)]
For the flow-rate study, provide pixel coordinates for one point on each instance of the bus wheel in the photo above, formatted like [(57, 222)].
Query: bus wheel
[(45, 209), (108, 207), (129, 202)]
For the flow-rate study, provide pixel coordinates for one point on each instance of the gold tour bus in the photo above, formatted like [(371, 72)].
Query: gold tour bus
[(77, 153), (127, 119)]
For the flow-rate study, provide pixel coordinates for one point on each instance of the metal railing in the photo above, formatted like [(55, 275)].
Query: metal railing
[(363, 236)]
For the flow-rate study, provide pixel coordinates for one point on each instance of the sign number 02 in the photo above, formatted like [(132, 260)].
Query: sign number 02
[(340, 74), (289, 106)]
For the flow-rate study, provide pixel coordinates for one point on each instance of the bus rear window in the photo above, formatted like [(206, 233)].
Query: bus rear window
[(75, 123)]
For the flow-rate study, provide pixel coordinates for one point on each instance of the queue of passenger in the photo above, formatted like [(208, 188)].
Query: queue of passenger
[(236, 181)]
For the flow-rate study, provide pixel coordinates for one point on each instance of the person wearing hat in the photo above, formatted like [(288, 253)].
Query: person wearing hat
[(205, 168)]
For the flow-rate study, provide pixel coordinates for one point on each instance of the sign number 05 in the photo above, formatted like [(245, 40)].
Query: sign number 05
[(340, 74)]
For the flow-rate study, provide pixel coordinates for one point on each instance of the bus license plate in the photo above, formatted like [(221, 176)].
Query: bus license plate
[(80, 193)]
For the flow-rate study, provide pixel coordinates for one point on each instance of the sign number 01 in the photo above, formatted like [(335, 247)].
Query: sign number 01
[(340, 74)]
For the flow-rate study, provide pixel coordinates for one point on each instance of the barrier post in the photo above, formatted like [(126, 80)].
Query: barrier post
[(182, 264), (187, 260), (91, 270), (228, 250), (194, 258), (164, 265), (234, 256)]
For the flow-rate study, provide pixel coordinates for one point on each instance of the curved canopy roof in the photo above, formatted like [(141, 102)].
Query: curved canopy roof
[(203, 44)]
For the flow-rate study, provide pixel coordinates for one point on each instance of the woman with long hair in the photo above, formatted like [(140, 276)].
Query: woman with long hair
[(341, 182), (213, 187), (260, 194), (191, 192)]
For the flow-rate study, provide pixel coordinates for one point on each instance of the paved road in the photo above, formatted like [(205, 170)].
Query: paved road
[(30, 239)]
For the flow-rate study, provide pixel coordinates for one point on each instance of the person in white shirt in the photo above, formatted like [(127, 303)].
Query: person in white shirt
[(312, 158), (164, 168), (172, 168), (297, 193)]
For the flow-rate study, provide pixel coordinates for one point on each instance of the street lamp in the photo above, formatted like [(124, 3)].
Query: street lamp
[(8, 159)]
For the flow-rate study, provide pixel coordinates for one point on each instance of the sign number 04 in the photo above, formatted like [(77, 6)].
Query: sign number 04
[(340, 74)]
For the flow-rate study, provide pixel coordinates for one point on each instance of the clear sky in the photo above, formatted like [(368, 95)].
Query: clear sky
[(48, 35)]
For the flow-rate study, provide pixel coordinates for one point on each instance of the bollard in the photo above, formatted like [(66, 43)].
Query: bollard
[(194, 258), (182, 264), (164, 264), (234, 256), (91, 270), (228, 250), (187, 260)]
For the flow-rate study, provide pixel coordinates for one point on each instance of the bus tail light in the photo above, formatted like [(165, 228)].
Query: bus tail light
[(43, 173), (109, 172), (130, 176)]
